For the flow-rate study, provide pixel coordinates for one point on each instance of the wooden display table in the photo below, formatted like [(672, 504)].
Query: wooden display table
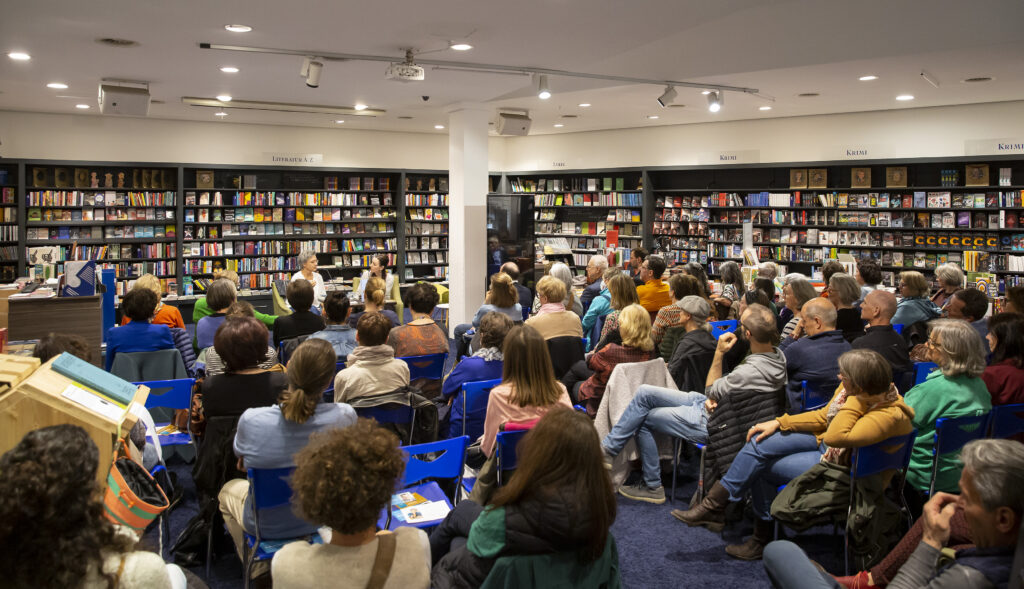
[(33, 318)]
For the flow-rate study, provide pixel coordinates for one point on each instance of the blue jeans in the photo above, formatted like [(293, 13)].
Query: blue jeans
[(789, 568), (761, 467), (658, 410)]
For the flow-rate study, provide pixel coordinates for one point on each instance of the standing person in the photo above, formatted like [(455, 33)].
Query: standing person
[(637, 256), (338, 332), (653, 294), (269, 437), (635, 329), (378, 269), (525, 295), (343, 479), (951, 279), (877, 309), (869, 275), (202, 309), (732, 289), (595, 278), (374, 303), (139, 335), (164, 314), (1004, 376), (914, 306), (307, 263), (843, 292), (302, 321), (219, 296), (552, 319)]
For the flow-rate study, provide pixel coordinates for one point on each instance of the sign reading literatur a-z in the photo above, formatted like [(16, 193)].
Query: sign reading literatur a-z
[(1009, 146), (293, 159)]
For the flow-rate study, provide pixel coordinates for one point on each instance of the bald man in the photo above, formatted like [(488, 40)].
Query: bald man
[(877, 309), (812, 351)]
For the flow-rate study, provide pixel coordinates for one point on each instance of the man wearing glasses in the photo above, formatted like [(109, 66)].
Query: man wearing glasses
[(595, 271)]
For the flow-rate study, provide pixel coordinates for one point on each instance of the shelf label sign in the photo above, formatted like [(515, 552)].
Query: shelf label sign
[(293, 159), (1012, 145), (855, 152), (742, 156)]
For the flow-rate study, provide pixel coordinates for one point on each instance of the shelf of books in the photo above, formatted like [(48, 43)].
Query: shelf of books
[(579, 215), (256, 223), (425, 227), (124, 218), (8, 223), (680, 228)]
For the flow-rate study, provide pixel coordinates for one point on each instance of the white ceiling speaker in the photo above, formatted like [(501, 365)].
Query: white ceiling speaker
[(513, 124), (124, 100)]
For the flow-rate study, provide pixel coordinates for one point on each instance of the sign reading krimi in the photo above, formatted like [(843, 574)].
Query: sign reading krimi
[(994, 146), (855, 151), (293, 159), (743, 156)]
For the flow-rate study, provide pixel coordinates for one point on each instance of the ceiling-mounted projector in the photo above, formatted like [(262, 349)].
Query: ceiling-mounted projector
[(405, 72)]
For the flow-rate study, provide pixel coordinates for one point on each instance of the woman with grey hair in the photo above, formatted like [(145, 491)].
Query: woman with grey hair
[(843, 292), (954, 390), (571, 302), (307, 271), (914, 305), (798, 290), (951, 279)]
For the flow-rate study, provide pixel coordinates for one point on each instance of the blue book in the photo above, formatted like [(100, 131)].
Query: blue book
[(95, 378)]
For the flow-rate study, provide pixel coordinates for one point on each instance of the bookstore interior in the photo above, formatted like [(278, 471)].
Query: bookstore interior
[(452, 139)]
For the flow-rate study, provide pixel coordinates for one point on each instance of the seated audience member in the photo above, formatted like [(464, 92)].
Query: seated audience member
[(635, 329), (767, 286), (685, 413), (269, 437), (421, 336), (622, 294), (989, 506), (552, 319), (1004, 376), (971, 305), (53, 525), (813, 349), (165, 314), (865, 409), (501, 297), (54, 344), (374, 303), (307, 263), (877, 309), (139, 335), (595, 279), (955, 389), (219, 296), (202, 308), (733, 288), (372, 368), (525, 296), (338, 332), (869, 275), (637, 256), (653, 294), (827, 270), (795, 294), (693, 351), (697, 271), (572, 303), (302, 321), (214, 363), (950, 279), (680, 286), (767, 270), (485, 364), (558, 504), (843, 292), (343, 479), (601, 305), (1014, 300), (914, 306), (241, 344)]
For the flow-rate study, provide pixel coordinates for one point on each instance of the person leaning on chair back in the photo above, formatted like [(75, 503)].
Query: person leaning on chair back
[(302, 321), (343, 479), (139, 335)]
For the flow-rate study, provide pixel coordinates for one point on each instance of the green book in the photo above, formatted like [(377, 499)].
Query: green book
[(94, 377)]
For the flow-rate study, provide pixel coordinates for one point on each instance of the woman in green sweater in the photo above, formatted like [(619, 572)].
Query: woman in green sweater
[(954, 390), (201, 309)]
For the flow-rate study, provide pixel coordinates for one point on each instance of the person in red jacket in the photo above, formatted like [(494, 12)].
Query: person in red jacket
[(1004, 376)]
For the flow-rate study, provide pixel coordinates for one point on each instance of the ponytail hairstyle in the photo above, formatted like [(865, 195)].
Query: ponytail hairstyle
[(375, 291), (310, 370)]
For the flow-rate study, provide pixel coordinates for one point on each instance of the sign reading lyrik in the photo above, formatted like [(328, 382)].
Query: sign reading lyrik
[(994, 146), (293, 159)]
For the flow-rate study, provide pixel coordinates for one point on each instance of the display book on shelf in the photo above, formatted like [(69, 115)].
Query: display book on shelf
[(578, 216), (680, 228), (8, 226), (426, 227), (124, 218), (259, 232), (977, 228)]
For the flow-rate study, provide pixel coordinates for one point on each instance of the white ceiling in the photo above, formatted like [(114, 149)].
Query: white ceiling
[(783, 48)]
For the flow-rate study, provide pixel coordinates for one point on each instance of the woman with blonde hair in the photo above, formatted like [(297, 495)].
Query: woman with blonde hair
[(552, 319), (635, 329), (502, 297), (623, 294), (914, 306), (374, 301), (165, 314)]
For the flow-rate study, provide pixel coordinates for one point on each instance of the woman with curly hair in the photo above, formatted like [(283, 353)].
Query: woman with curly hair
[(52, 523), (343, 479)]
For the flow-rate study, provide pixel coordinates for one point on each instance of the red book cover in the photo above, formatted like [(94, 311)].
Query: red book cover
[(611, 237)]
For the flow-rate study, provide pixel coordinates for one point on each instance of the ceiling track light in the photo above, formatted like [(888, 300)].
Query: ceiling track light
[(543, 90), (313, 76), (715, 100), (668, 97), (929, 78)]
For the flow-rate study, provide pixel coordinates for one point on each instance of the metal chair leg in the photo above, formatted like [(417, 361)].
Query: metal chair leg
[(677, 444), (209, 548)]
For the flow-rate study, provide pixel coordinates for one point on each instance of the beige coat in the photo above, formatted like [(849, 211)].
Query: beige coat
[(371, 370)]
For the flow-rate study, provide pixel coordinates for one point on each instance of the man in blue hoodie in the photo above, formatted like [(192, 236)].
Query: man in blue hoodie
[(812, 351)]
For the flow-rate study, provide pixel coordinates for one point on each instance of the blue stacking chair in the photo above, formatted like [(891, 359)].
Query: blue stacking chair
[(396, 413), (898, 327), (429, 366), (677, 448), (268, 488), (1007, 420), (721, 327), (951, 433), (172, 394), (505, 449), (474, 406), (329, 392), (921, 371), (526, 313), (816, 394), (595, 333), (447, 464)]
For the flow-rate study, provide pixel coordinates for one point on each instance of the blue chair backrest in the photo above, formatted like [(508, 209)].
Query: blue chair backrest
[(889, 454), (448, 465), (173, 394), (329, 391), (921, 371), (474, 406), (526, 313), (388, 413), (428, 366), (721, 327), (816, 394), (506, 448), (898, 327), (270, 487), (951, 433), (1007, 420)]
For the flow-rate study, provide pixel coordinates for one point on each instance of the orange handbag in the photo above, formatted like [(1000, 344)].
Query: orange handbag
[(132, 497)]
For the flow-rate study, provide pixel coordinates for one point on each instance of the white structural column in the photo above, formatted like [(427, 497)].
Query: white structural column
[(467, 223)]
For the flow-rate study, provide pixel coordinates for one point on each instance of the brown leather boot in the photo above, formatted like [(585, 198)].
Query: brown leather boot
[(711, 511), (752, 549)]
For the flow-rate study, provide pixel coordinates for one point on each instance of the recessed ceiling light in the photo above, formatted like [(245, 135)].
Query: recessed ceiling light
[(19, 56), (652, 117), (220, 114), (559, 125), (905, 97), (238, 28), (360, 106), (705, 92), (867, 78), (82, 106), (57, 86), (459, 45), (224, 97), (229, 69), (764, 108), (584, 105), (439, 127), (340, 121), (808, 95), (977, 80)]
